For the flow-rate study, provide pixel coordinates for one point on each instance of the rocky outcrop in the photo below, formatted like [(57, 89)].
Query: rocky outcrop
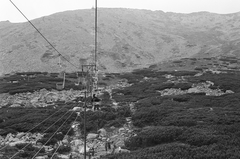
[(115, 136), (98, 140), (41, 98), (196, 88), (20, 138)]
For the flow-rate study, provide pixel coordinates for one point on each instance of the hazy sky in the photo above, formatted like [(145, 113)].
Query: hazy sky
[(38, 8)]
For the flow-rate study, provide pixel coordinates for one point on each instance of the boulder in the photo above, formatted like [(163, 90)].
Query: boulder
[(2, 141), (34, 100), (65, 141), (92, 136), (193, 90), (63, 156), (16, 142), (12, 139), (78, 109), (229, 91), (102, 132), (115, 103), (112, 127), (88, 109), (77, 142), (128, 119), (121, 130), (20, 135), (44, 105), (63, 98), (51, 97), (233, 66), (81, 150), (41, 157), (120, 150), (15, 105), (103, 138), (120, 143), (114, 136), (18, 101)]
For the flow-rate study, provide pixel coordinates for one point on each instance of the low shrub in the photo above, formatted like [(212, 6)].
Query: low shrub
[(164, 86), (182, 86), (151, 136), (64, 149)]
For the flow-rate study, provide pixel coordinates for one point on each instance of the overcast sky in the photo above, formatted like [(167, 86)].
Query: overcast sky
[(38, 8)]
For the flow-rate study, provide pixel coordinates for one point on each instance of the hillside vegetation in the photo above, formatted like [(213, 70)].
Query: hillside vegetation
[(187, 126), (188, 114)]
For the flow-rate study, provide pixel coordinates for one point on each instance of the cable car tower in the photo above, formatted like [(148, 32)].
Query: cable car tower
[(90, 78)]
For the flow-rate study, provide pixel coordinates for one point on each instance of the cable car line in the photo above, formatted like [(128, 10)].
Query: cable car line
[(37, 125), (42, 35), (52, 136), (43, 132), (64, 137)]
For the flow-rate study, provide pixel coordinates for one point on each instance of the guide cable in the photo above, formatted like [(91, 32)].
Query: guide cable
[(43, 35)]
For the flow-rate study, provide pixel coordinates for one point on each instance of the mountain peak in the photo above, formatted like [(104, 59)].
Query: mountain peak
[(127, 39)]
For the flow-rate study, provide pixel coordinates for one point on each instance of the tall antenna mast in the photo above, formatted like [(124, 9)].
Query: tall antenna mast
[(95, 55), (93, 69)]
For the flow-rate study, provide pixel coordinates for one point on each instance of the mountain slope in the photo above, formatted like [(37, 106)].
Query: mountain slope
[(127, 39)]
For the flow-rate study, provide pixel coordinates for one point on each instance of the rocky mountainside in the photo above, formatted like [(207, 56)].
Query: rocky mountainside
[(127, 39)]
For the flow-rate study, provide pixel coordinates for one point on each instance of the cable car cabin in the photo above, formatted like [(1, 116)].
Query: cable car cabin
[(59, 86)]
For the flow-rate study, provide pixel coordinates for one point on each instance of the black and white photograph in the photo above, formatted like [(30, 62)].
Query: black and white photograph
[(120, 79)]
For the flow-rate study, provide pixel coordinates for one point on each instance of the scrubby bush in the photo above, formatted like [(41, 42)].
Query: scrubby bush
[(198, 137), (20, 146), (182, 86), (64, 149), (116, 123), (106, 117), (200, 126), (164, 86), (123, 111), (181, 98), (9, 149), (151, 136), (45, 141), (183, 122), (5, 131), (26, 154), (146, 116), (183, 73)]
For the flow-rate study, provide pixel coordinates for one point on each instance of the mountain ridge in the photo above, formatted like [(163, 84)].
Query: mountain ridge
[(127, 39)]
